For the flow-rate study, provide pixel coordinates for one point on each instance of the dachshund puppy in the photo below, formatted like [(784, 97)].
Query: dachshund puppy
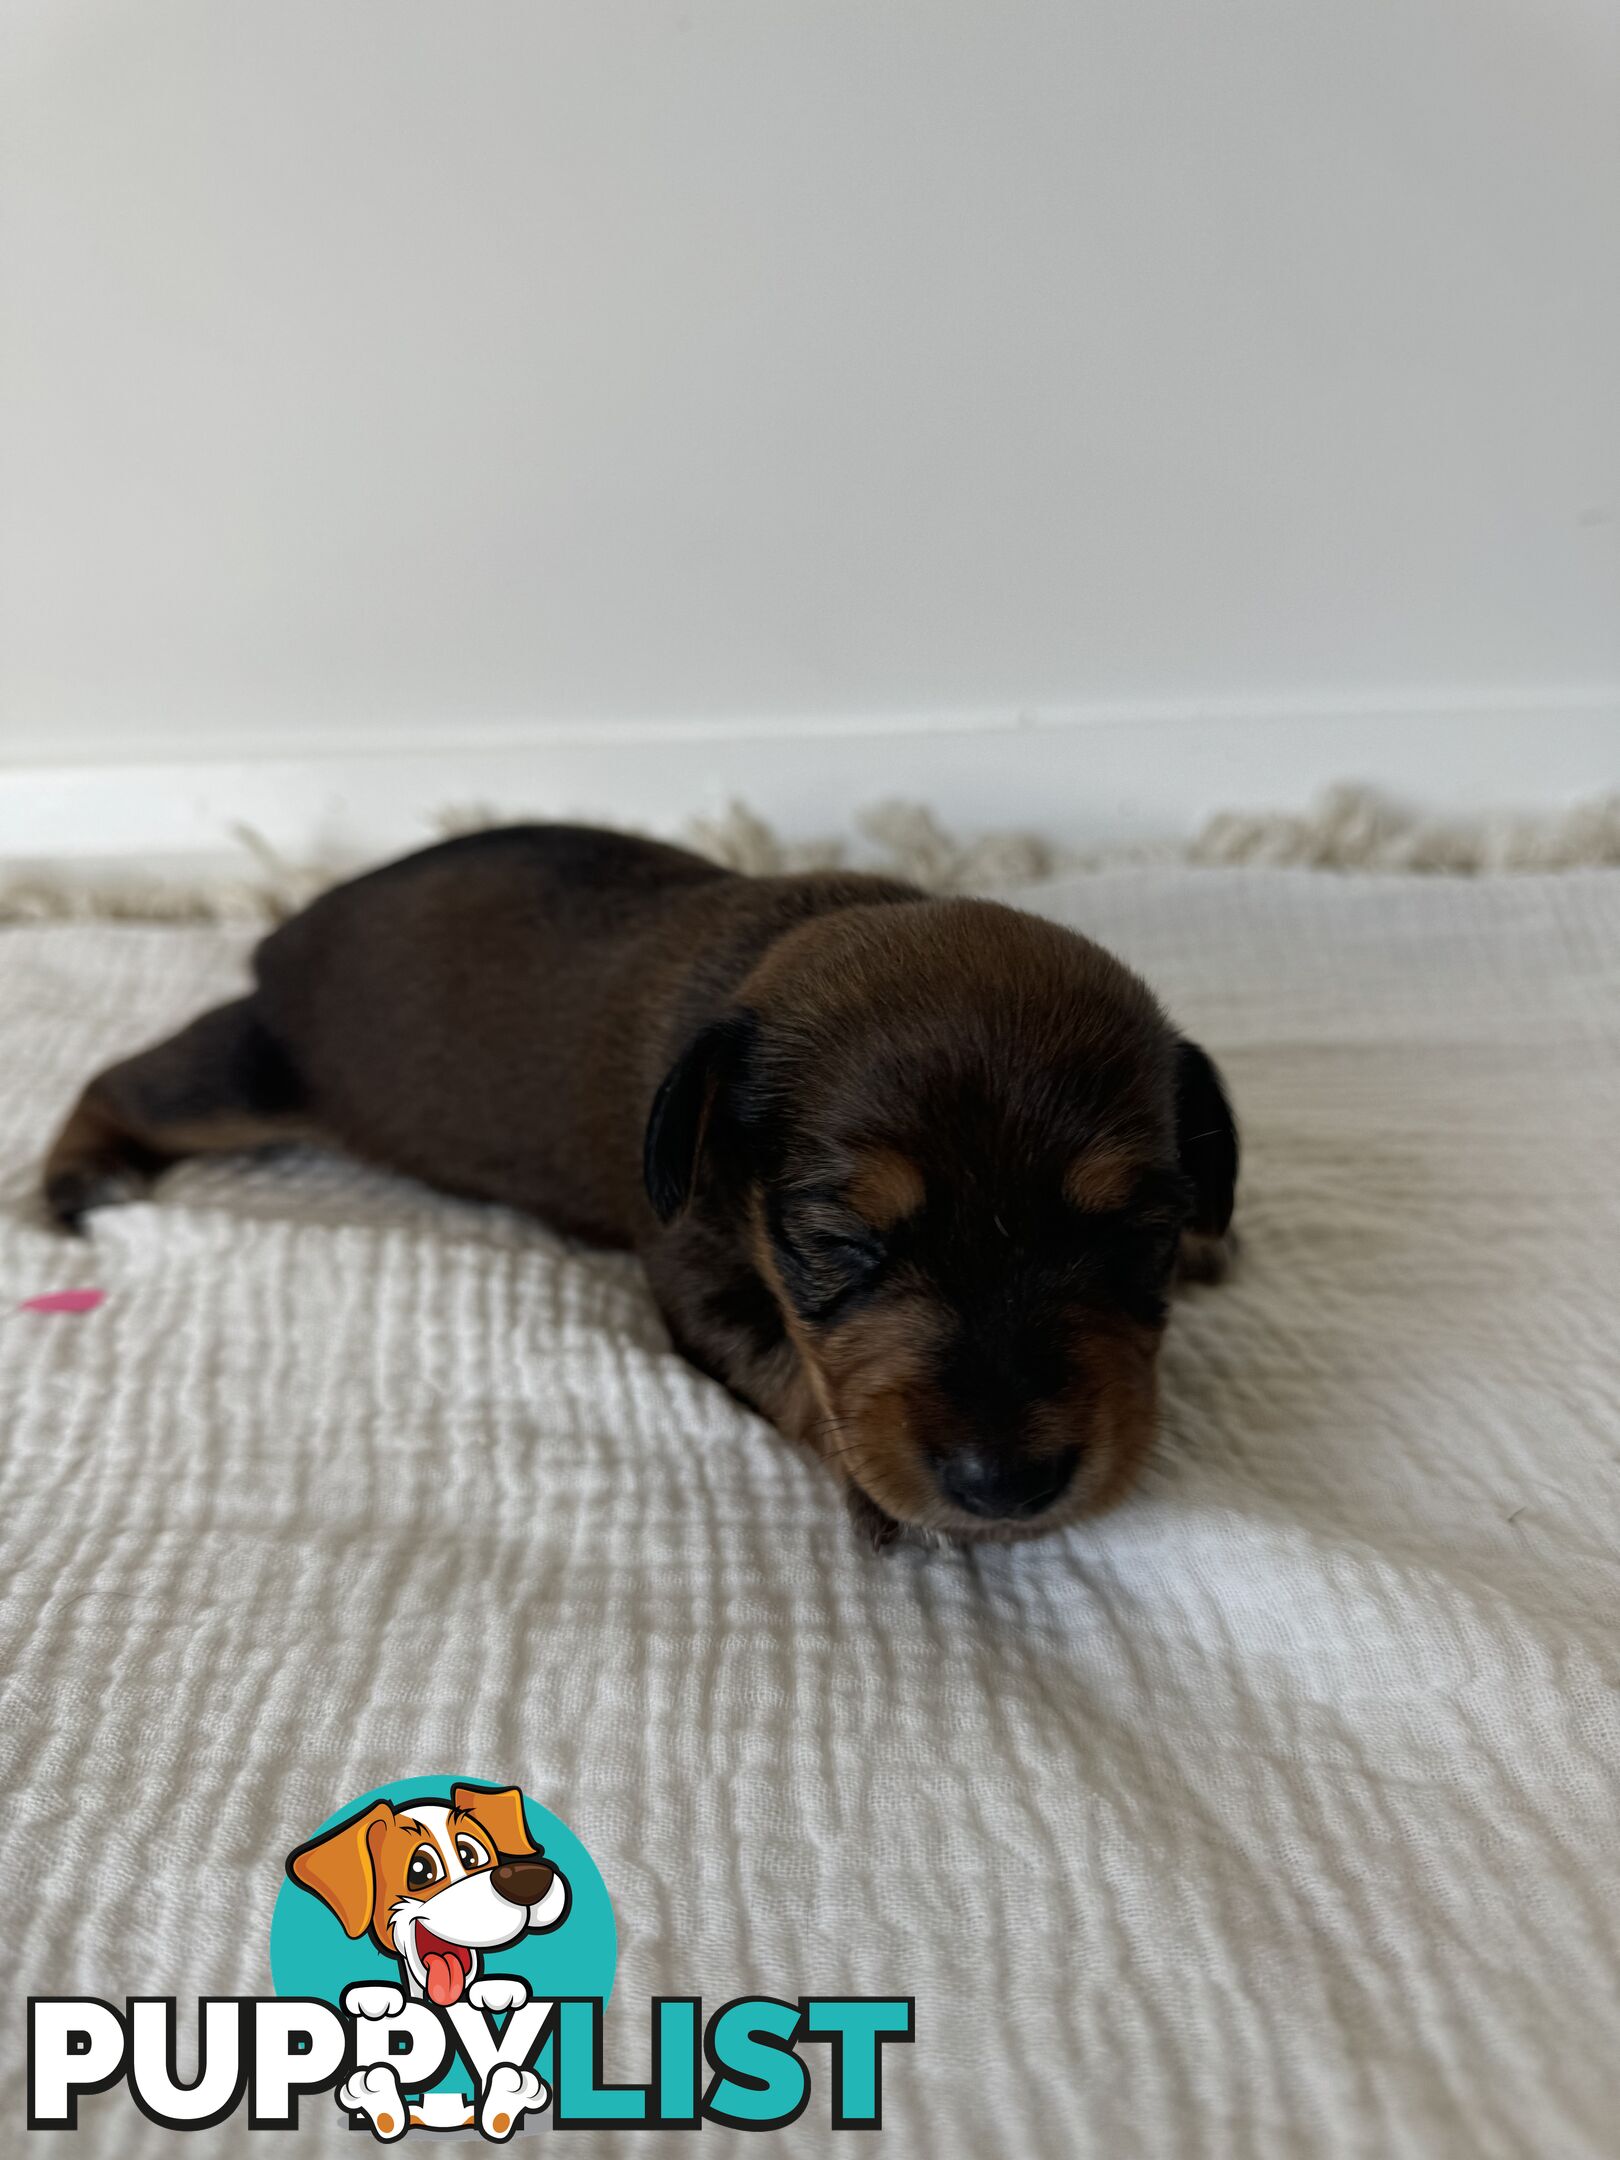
[(909, 1175)]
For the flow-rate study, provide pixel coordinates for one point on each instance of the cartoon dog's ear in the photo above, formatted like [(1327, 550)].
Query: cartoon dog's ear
[(684, 1109), (1206, 1139), (338, 1867), (501, 1814)]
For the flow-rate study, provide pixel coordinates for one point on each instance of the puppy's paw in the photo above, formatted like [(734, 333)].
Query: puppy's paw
[(498, 1992), (72, 1192), (1203, 1259), (509, 2094), (375, 2094), (872, 1526), (371, 2000)]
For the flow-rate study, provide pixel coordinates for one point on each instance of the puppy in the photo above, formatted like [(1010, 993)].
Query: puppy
[(437, 1884), (909, 1175)]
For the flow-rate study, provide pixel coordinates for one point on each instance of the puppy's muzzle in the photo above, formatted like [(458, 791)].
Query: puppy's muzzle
[(521, 1882), (1006, 1487)]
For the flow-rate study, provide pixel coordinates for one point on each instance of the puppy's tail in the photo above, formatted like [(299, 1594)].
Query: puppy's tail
[(223, 1083)]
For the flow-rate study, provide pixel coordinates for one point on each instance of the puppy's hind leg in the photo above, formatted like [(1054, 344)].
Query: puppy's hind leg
[(221, 1084)]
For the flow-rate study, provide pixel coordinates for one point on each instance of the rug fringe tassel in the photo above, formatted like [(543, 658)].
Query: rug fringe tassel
[(1350, 828)]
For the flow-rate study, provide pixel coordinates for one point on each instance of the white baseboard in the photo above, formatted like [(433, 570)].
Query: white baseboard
[(1093, 778)]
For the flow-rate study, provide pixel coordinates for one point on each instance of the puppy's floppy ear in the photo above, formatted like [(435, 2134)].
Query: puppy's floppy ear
[(1206, 1139), (684, 1109), (501, 1814), (338, 1868)]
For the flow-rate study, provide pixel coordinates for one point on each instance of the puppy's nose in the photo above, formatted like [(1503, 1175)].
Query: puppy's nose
[(522, 1882), (1003, 1485)]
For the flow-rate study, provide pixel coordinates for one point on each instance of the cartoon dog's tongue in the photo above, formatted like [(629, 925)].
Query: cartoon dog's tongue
[(446, 1966)]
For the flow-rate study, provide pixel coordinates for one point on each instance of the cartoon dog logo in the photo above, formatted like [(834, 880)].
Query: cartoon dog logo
[(437, 1884)]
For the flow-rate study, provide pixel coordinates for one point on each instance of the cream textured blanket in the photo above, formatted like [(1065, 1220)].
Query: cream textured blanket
[(1277, 1814)]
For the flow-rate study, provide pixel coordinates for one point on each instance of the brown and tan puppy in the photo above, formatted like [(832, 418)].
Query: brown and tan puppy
[(909, 1175)]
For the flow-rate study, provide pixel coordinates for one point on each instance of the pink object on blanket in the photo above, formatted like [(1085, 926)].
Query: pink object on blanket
[(63, 1301)]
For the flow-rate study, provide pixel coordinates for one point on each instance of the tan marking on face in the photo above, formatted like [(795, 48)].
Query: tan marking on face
[(878, 1451), (1120, 1381), (765, 1261), (869, 1371), (865, 1401), (879, 1367), (860, 1434), (1102, 1177), (885, 1188)]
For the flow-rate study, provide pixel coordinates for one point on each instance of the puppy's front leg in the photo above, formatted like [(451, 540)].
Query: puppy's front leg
[(499, 1992), (872, 1526), (373, 1999), (509, 2095), (375, 2094)]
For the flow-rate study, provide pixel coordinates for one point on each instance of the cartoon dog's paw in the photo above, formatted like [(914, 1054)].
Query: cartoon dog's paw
[(508, 2095), (375, 2094), (498, 1992), (369, 2000)]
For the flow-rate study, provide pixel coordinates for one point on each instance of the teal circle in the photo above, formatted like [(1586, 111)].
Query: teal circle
[(311, 1955)]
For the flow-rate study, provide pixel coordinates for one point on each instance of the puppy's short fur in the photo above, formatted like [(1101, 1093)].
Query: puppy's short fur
[(907, 1174)]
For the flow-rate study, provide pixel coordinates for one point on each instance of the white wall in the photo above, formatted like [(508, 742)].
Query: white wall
[(379, 370)]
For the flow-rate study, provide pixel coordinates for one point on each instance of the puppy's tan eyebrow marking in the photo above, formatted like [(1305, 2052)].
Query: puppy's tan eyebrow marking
[(1102, 1177), (885, 1187)]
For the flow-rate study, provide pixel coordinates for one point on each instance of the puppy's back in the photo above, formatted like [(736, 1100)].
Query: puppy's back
[(473, 1012), (495, 1014)]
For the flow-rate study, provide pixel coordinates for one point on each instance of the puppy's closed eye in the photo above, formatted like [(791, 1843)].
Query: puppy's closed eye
[(1126, 1254), (827, 1256)]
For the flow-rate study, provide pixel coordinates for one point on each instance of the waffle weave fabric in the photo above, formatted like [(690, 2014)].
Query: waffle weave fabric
[(1273, 1815)]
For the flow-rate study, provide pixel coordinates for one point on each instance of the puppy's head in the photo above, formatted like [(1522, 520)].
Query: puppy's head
[(962, 1146), (436, 1882)]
